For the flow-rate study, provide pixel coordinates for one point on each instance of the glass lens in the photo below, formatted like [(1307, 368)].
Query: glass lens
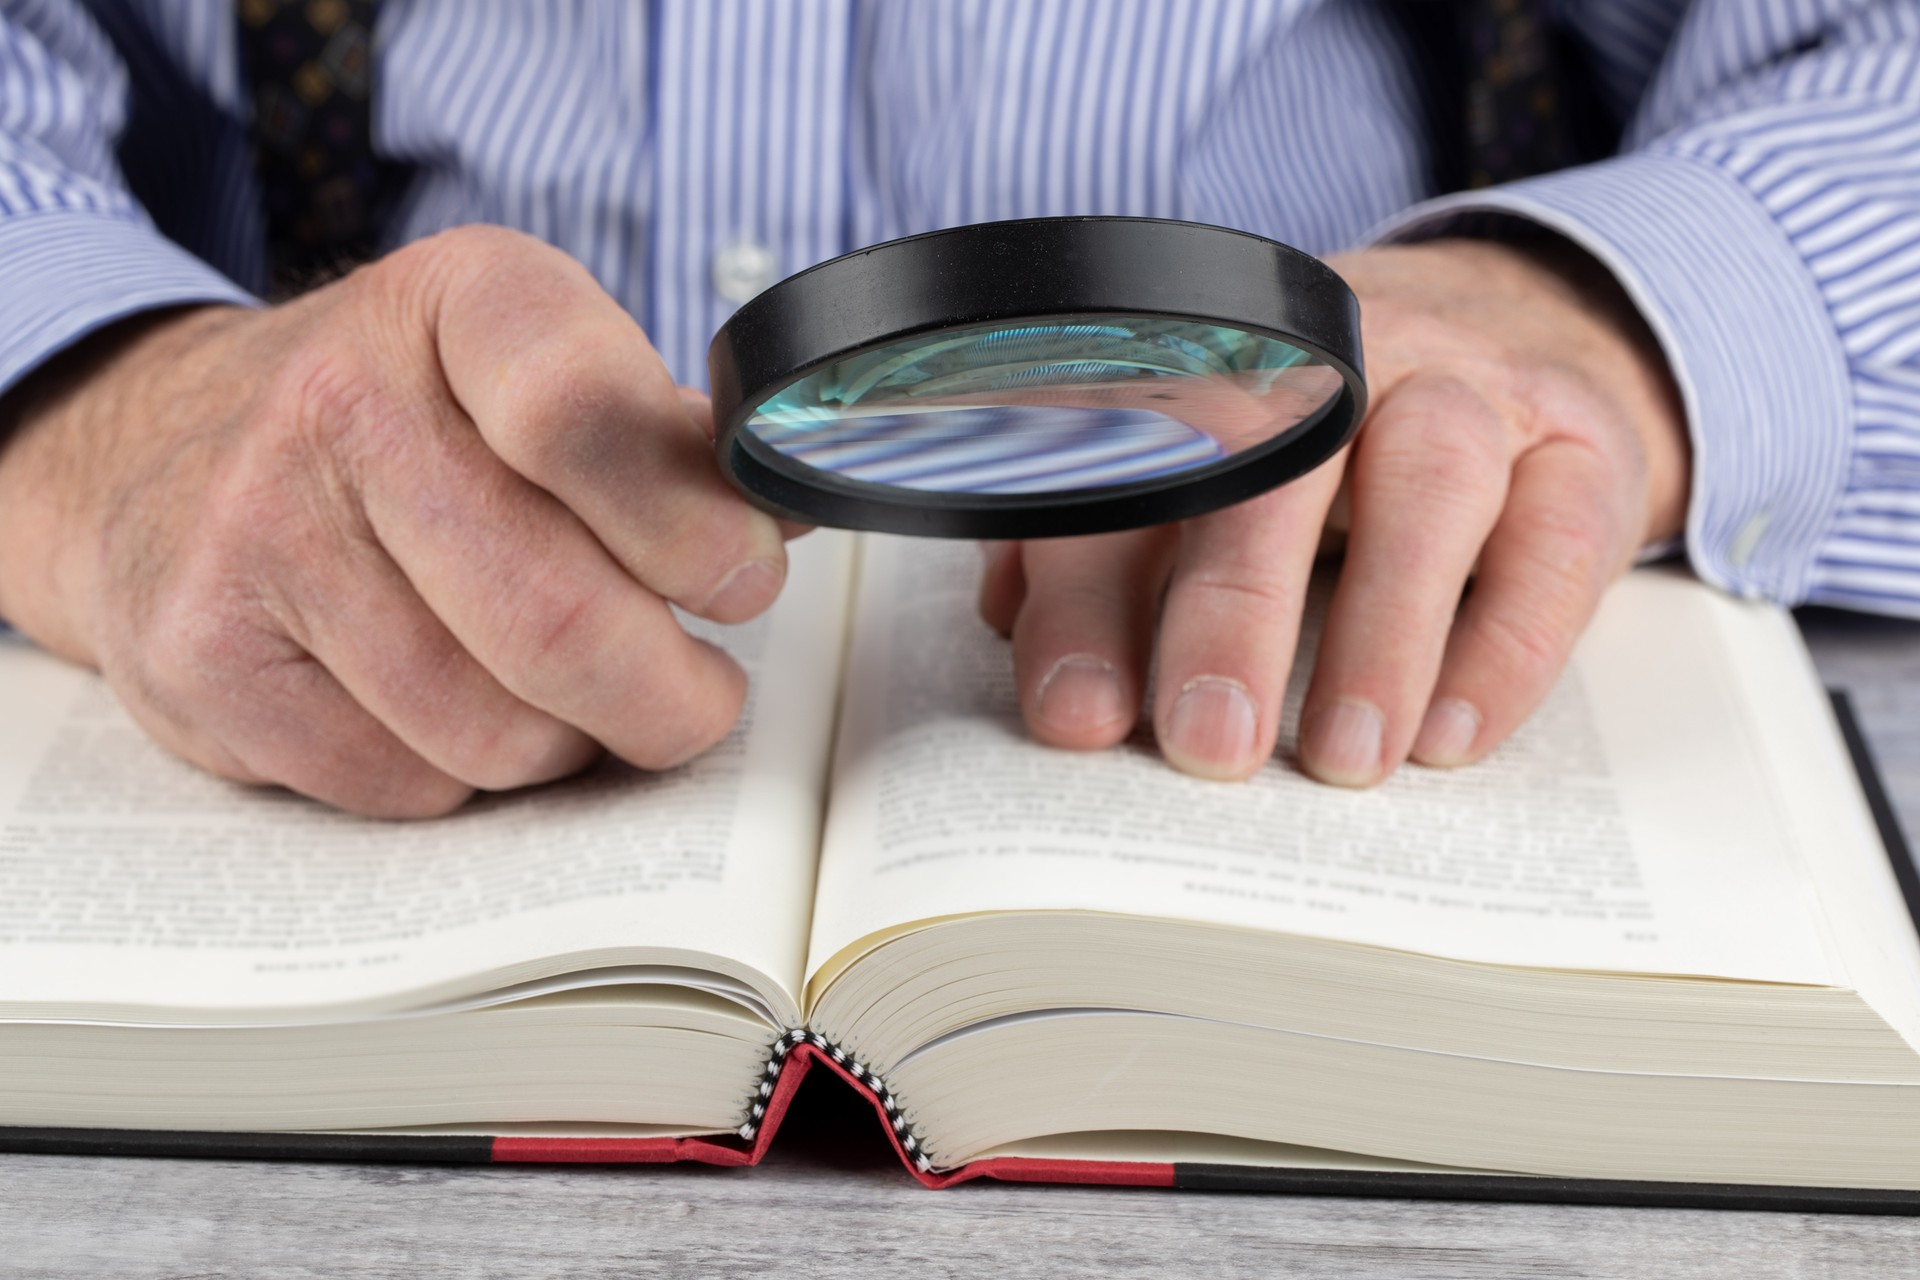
[(1046, 407)]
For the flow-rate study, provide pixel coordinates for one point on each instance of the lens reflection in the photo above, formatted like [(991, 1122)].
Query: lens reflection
[(1046, 407)]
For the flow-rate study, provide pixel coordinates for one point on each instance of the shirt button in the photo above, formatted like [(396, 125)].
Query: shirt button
[(1747, 541), (742, 270)]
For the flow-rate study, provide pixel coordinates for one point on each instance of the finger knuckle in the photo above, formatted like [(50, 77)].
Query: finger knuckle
[(278, 512), (202, 651), (1447, 450), (1575, 547), (301, 733), (223, 763), (1455, 457), (571, 407), (476, 249), (495, 276), (401, 790), (502, 279), (1563, 399), (1582, 549), (1528, 644), (518, 751), (686, 713), (554, 636), (318, 389), (1260, 595), (672, 740), (337, 411), (480, 238)]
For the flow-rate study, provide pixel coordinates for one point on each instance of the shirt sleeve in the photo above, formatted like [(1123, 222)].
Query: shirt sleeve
[(77, 251), (1764, 214)]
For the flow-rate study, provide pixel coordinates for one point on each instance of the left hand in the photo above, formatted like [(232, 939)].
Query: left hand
[(1524, 430)]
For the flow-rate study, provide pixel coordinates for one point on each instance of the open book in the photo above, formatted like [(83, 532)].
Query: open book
[(1654, 939)]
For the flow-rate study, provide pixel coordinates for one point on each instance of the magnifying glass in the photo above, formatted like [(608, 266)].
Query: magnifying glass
[(1038, 378)]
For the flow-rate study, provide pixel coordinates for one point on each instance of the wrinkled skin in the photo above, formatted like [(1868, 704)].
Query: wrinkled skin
[(416, 533), (1523, 428), (411, 535)]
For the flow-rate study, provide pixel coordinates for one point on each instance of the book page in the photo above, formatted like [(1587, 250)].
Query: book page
[(132, 885), (1824, 811), (1627, 827)]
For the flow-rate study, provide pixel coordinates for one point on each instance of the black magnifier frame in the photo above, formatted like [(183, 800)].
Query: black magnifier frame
[(1035, 269)]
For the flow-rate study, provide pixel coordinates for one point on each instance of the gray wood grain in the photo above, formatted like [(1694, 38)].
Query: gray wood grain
[(831, 1203)]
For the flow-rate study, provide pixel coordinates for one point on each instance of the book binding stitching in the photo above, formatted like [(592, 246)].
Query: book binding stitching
[(776, 1061)]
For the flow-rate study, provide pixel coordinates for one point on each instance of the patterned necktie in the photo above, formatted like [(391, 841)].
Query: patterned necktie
[(1506, 92), (310, 66), (1528, 104)]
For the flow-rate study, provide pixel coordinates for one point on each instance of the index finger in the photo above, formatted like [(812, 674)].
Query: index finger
[(1231, 624), (565, 389)]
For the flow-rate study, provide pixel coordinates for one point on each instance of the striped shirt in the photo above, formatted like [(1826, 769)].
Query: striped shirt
[(1763, 211)]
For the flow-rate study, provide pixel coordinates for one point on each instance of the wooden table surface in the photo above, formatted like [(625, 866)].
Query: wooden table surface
[(832, 1205)]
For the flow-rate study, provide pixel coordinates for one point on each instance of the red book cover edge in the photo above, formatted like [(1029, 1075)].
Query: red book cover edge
[(719, 1151)]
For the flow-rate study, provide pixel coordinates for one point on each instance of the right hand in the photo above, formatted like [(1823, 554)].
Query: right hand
[(409, 536)]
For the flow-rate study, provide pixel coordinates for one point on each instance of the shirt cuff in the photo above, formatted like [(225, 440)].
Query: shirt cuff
[(69, 274), (1752, 346)]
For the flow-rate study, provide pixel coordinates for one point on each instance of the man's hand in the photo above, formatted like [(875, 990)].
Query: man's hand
[(1523, 430), (409, 536)]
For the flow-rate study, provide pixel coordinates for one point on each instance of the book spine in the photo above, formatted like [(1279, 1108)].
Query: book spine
[(856, 1073), (798, 1051)]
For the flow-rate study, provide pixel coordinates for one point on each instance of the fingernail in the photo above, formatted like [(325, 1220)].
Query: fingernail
[(1213, 728), (1079, 695), (1342, 742), (745, 592), (1447, 734)]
